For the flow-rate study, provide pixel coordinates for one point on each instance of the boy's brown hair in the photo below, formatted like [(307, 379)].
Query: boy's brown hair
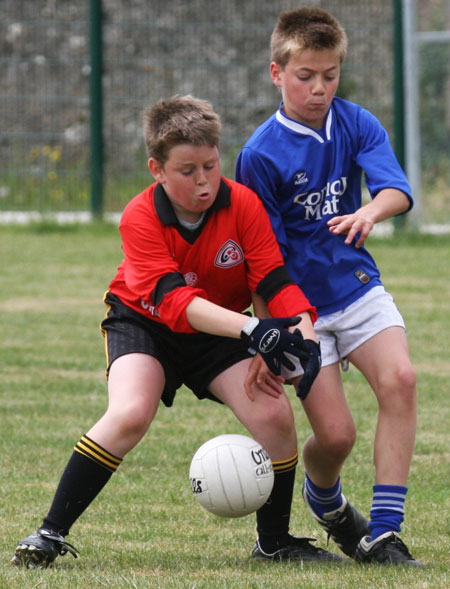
[(306, 28), (178, 120)]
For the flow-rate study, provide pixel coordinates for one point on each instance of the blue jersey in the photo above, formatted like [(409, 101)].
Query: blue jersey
[(305, 177)]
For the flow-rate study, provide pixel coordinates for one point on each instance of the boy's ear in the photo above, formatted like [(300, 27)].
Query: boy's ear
[(275, 71), (156, 169)]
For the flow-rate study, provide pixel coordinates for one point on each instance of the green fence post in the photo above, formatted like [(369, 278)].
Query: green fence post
[(399, 102), (96, 106)]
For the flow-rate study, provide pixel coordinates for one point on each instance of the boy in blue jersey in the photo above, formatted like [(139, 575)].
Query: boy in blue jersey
[(306, 163)]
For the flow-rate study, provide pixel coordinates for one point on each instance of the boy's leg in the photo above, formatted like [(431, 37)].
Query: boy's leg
[(324, 454), (333, 428), (384, 361), (270, 421), (135, 385)]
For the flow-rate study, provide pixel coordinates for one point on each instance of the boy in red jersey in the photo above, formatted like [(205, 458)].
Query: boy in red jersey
[(196, 247)]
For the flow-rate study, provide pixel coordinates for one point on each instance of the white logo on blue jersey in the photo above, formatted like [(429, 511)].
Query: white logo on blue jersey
[(300, 178), (322, 202)]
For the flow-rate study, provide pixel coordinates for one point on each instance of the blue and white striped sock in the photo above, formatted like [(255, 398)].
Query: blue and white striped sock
[(388, 509), (323, 500)]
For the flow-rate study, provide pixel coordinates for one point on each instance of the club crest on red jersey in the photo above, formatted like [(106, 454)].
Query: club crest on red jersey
[(191, 278), (230, 254)]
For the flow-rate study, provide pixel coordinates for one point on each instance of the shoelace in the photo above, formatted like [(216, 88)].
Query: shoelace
[(64, 547), (303, 544), (344, 522), (61, 544), (401, 546)]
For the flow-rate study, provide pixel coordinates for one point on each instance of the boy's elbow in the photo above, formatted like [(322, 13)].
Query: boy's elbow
[(405, 202)]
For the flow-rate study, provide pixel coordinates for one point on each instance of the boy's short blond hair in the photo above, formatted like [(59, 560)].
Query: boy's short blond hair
[(306, 28), (179, 120)]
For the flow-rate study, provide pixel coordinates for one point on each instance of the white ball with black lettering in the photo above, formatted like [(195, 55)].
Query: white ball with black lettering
[(231, 475)]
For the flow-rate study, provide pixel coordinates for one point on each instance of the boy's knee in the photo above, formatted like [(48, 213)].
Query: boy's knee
[(400, 388), (278, 416), (338, 442), (133, 421), (342, 445), (407, 380)]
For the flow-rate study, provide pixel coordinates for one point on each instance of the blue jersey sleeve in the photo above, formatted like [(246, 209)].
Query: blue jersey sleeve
[(376, 157)]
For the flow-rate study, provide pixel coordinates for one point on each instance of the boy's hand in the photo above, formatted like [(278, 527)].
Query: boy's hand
[(271, 339), (259, 378), (359, 223), (387, 203), (311, 362)]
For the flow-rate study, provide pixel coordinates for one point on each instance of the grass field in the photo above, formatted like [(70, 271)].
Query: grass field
[(146, 530)]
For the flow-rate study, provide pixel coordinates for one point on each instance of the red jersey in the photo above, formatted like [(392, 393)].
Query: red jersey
[(231, 254)]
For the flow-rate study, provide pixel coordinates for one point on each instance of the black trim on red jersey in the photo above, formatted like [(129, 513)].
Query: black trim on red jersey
[(165, 284), (167, 215), (273, 282), (164, 207)]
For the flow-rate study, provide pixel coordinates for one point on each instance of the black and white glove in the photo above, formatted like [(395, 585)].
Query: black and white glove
[(271, 339), (311, 361)]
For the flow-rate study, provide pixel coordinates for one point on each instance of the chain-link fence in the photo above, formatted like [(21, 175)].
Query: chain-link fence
[(214, 50)]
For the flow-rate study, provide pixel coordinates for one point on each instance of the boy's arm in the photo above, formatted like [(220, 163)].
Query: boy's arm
[(269, 337), (387, 203), (205, 316)]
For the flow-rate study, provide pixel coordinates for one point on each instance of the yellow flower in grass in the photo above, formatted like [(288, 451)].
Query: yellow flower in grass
[(57, 194), (55, 154), (34, 153)]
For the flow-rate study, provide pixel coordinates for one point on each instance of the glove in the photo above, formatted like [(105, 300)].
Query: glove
[(311, 362), (271, 339)]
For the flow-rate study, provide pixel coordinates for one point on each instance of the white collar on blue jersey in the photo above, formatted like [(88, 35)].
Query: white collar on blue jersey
[(303, 129)]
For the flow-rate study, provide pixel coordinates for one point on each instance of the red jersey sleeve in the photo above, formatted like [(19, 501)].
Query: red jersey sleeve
[(290, 301)]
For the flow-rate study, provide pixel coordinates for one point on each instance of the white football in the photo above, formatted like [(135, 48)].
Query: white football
[(231, 475)]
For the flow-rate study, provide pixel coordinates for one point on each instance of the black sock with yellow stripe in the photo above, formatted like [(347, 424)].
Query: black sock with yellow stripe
[(272, 519), (89, 469)]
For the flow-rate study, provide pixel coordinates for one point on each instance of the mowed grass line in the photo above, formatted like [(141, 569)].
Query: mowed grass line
[(146, 530)]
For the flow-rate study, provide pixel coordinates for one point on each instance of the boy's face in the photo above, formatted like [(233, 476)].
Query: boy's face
[(308, 84), (191, 178)]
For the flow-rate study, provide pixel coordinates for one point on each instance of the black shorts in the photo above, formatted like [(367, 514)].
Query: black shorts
[(193, 359)]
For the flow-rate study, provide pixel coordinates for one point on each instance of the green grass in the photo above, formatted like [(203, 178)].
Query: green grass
[(146, 530)]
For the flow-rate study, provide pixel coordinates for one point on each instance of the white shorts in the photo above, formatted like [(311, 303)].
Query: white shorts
[(342, 332)]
